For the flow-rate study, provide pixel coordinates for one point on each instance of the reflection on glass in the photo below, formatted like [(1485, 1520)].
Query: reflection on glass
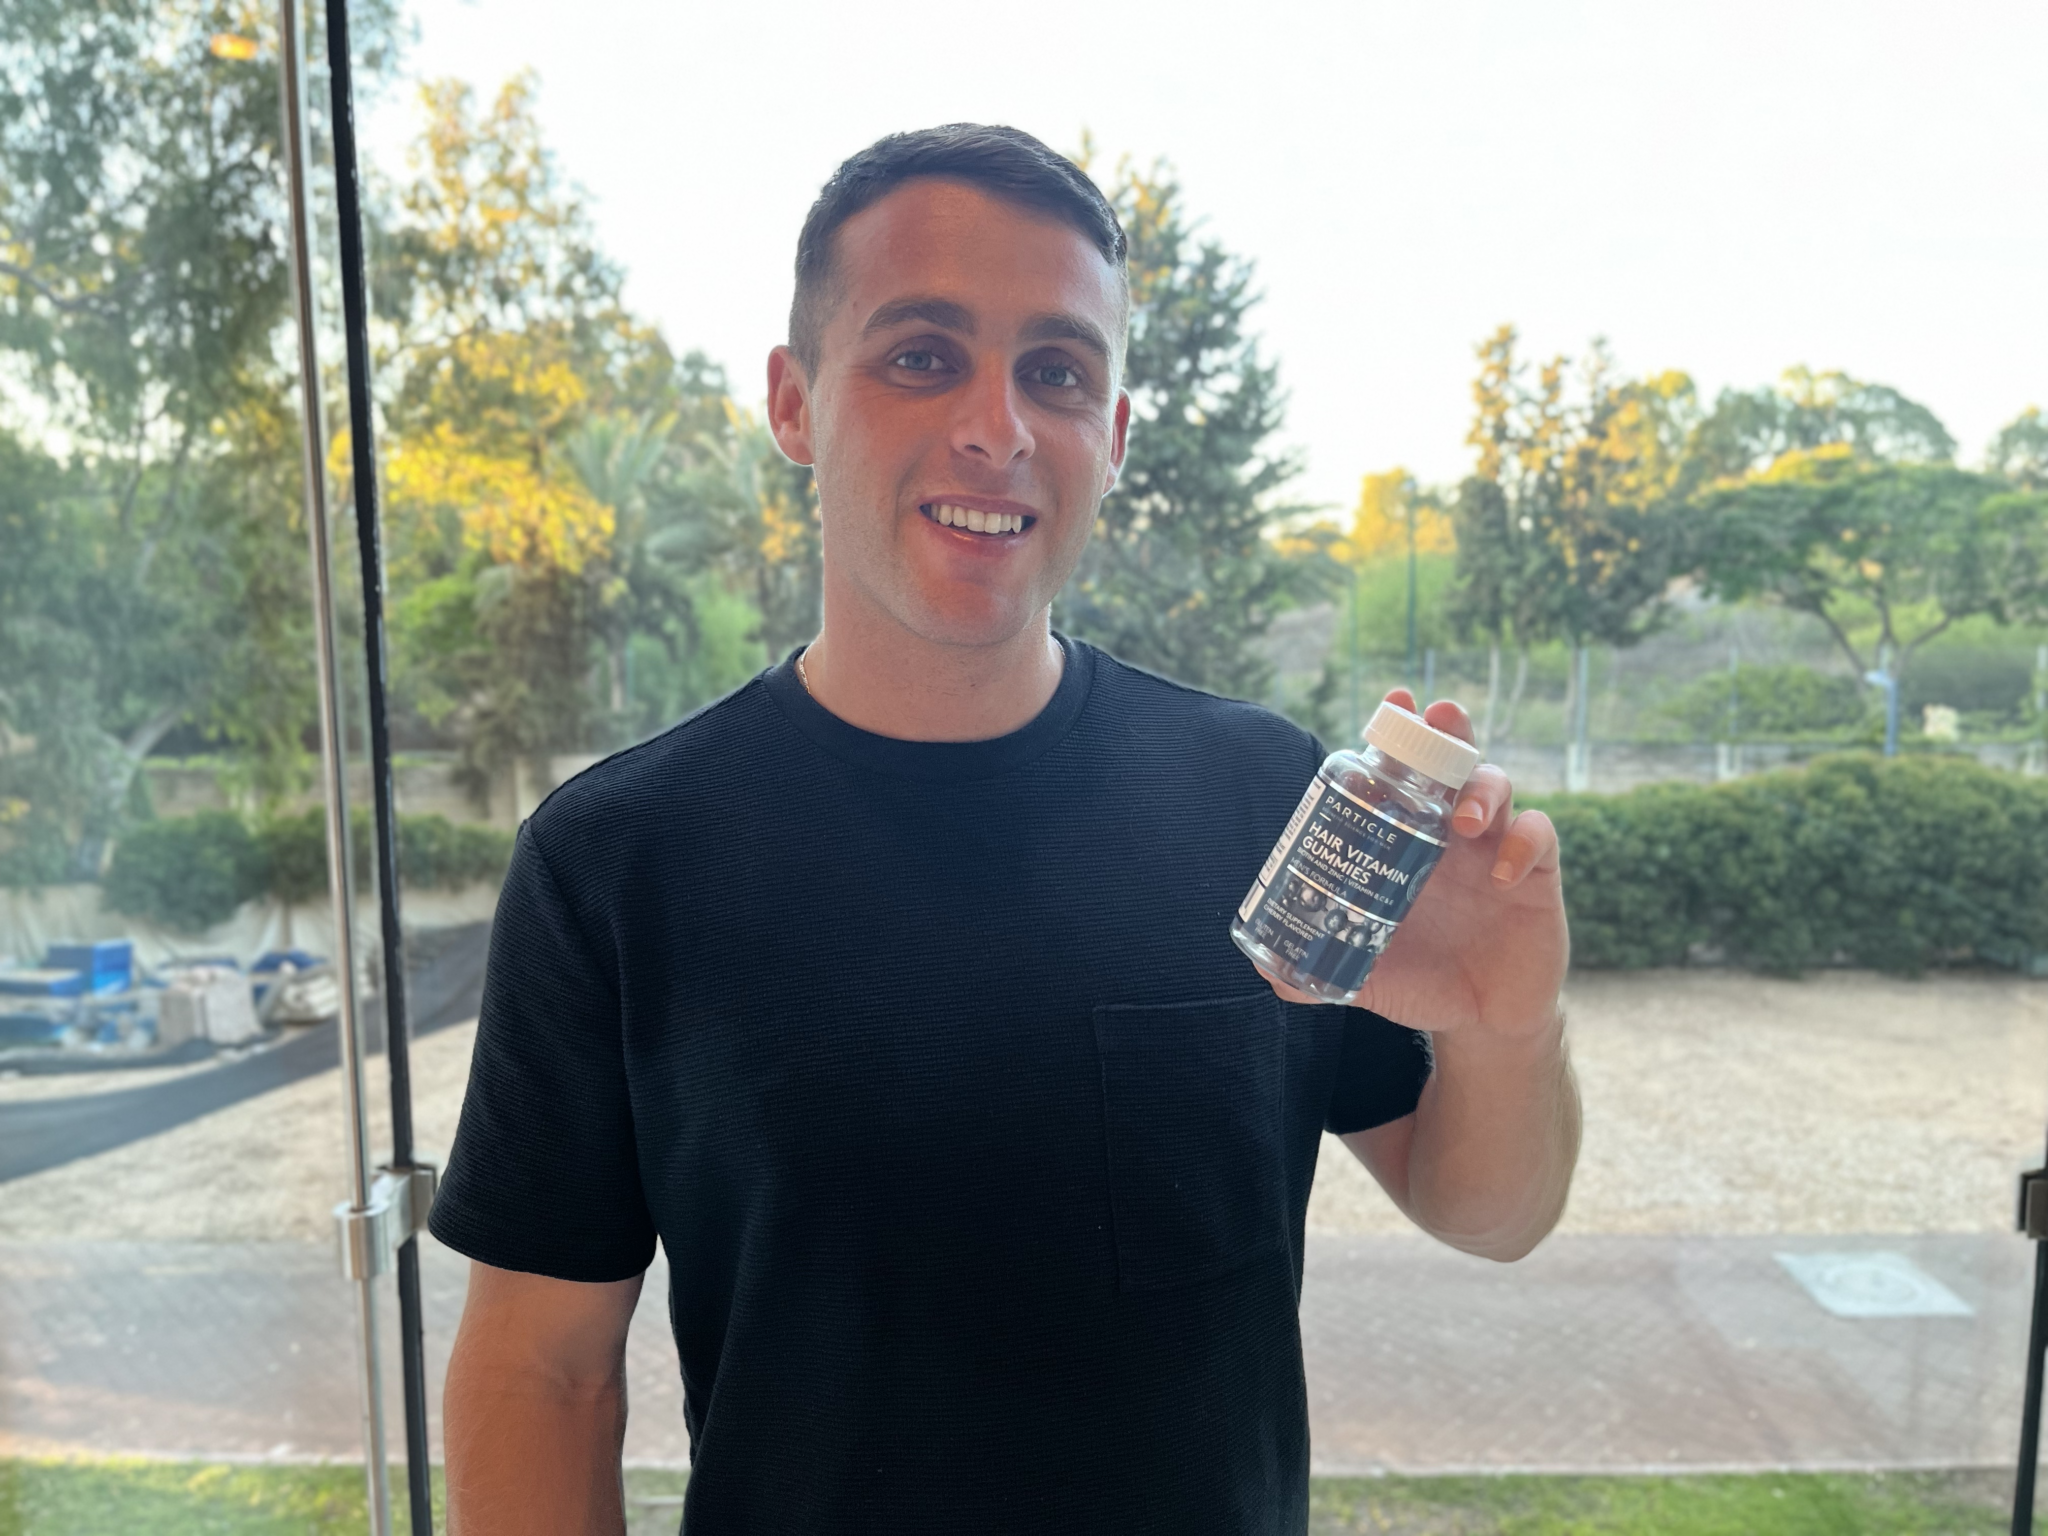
[(1773, 655)]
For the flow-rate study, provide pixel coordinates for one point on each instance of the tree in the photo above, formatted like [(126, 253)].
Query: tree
[(1394, 514), (1394, 526), (530, 415), (143, 282), (1916, 546), (1570, 526), (1180, 576), (2020, 451), (1749, 430)]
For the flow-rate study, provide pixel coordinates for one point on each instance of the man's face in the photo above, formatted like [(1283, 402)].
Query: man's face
[(966, 375)]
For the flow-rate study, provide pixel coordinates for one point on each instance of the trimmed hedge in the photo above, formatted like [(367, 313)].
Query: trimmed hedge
[(1895, 864), (187, 873)]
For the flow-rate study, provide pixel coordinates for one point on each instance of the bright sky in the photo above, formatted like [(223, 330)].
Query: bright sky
[(1728, 188)]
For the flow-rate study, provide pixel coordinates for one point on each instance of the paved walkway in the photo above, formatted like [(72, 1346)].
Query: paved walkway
[(1597, 1353)]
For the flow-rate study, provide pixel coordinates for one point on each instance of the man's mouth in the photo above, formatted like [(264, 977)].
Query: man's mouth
[(973, 520)]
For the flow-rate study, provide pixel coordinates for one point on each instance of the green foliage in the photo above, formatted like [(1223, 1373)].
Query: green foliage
[(664, 683), (123, 1497), (294, 851), (1749, 430), (1769, 703), (1893, 864), (436, 854), (1381, 593), (119, 1497), (1778, 1503), (2020, 451), (1570, 528), (185, 873), (143, 289), (34, 850), (1180, 576), (1921, 546)]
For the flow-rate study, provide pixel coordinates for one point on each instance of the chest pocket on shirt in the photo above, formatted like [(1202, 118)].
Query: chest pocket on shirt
[(1191, 1097)]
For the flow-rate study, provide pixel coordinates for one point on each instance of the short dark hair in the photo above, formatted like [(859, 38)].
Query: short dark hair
[(1005, 162)]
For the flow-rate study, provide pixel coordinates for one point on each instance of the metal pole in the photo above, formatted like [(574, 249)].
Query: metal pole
[(397, 1032), (2030, 1403), (338, 882), (1411, 592), (1357, 710)]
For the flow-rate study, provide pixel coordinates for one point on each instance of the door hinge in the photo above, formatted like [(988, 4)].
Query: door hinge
[(2033, 1215), (397, 1210)]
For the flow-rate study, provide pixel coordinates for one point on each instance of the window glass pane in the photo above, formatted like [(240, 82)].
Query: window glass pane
[(1663, 400)]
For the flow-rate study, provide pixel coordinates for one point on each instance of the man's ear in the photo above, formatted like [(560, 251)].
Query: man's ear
[(1119, 436), (789, 405)]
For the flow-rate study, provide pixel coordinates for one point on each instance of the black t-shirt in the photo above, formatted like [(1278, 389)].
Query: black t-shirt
[(980, 1154)]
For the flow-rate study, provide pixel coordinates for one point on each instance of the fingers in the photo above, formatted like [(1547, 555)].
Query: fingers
[(1287, 994), (1530, 846), (1447, 715), (1487, 793)]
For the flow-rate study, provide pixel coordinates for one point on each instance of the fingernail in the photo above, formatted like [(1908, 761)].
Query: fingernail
[(1503, 870)]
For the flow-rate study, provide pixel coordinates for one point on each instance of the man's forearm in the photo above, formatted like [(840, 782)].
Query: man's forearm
[(527, 1453), (1490, 1152)]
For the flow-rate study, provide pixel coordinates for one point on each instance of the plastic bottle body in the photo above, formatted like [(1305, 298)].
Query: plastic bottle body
[(1355, 854)]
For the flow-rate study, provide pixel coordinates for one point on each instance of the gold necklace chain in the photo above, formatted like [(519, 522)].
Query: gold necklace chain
[(801, 675)]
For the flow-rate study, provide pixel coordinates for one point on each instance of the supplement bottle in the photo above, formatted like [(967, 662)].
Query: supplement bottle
[(1353, 858)]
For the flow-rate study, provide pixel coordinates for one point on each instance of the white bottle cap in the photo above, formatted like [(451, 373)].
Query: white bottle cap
[(1406, 737)]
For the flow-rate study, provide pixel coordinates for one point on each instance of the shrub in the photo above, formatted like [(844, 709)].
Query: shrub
[(435, 853), (295, 856), (1893, 864), (185, 873), (1771, 703), (189, 872)]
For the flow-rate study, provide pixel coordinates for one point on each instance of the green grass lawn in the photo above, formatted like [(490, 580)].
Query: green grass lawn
[(139, 1498), (1804, 1504)]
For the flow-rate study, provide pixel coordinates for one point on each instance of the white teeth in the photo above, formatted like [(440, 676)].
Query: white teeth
[(948, 516)]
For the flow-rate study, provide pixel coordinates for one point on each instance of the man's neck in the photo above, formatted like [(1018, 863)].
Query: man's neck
[(873, 673)]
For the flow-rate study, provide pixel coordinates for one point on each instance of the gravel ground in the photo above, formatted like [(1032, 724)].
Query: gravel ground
[(272, 1167), (1724, 1103), (1716, 1103)]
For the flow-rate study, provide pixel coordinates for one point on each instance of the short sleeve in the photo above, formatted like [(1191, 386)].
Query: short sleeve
[(1381, 1070), (544, 1176)]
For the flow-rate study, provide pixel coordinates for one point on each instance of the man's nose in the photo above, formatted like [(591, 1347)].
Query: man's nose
[(990, 424)]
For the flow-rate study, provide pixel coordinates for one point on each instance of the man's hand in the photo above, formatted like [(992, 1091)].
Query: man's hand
[(1486, 1160), (1484, 948), (535, 1406)]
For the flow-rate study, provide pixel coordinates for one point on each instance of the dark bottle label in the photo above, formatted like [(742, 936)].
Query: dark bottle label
[(1337, 885)]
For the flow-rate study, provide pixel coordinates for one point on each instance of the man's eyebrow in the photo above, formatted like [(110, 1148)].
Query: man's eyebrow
[(1063, 327), (943, 313)]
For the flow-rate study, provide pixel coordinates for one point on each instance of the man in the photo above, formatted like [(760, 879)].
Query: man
[(894, 992)]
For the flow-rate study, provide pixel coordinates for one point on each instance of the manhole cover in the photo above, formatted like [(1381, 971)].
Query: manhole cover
[(1872, 1285)]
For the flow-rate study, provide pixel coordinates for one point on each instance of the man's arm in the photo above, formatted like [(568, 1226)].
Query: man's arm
[(535, 1406), (1486, 1160)]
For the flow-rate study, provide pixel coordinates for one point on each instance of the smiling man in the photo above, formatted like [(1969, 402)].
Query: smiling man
[(894, 992)]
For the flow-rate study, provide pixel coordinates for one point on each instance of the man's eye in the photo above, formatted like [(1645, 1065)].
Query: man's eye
[(917, 360), (1055, 376)]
